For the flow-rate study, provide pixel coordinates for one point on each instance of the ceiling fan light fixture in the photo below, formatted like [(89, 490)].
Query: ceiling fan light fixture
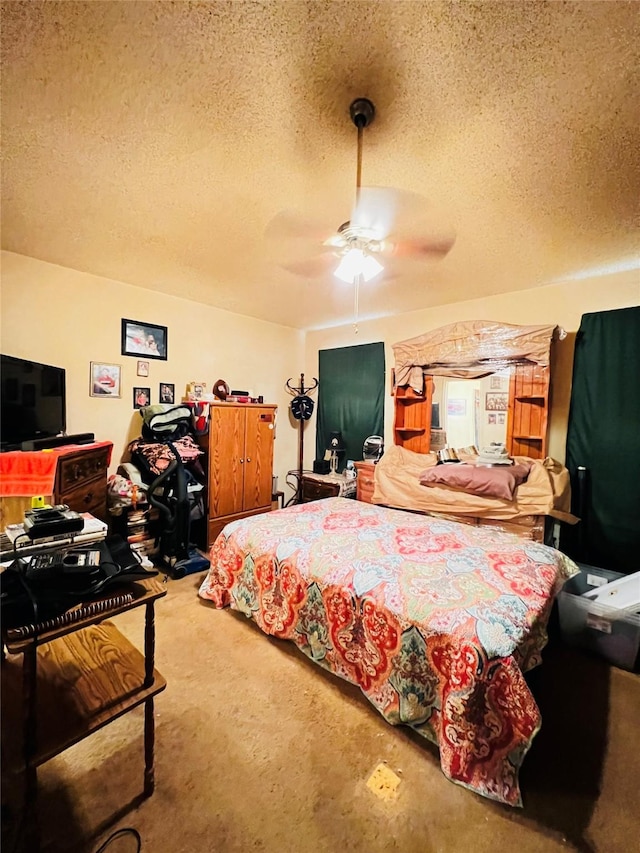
[(357, 263)]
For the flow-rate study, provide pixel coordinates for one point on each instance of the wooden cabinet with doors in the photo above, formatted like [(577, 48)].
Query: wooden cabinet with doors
[(239, 449)]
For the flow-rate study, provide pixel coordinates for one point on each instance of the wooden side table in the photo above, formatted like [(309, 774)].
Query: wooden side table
[(318, 486), (365, 481), (69, 680)]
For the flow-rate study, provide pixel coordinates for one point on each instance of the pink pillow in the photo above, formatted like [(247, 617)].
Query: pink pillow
[(497, 482)]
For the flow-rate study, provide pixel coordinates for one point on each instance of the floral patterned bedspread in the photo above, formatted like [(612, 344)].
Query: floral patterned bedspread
[(434, 620)]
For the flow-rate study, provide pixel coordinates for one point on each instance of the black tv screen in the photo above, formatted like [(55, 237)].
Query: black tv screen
[(435, 416), (33, 401)]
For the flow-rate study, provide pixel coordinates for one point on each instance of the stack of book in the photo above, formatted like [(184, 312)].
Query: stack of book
[(142, 529)]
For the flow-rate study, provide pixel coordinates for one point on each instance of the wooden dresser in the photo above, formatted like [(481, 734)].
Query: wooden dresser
[(76, 476)]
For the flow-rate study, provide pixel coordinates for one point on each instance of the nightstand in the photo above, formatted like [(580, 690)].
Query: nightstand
[(365, 482), (318, 486)]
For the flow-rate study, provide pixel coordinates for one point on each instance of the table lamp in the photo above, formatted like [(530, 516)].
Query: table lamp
[(335, 445)]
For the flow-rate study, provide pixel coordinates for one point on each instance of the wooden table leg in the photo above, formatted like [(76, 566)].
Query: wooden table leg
[(29, 696), (149, 743), (149, 722)]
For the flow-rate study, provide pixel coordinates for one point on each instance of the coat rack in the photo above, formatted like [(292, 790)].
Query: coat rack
[(299, 391)]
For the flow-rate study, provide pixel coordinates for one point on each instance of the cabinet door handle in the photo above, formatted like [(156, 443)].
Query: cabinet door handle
[(88, 498), (248, 459), (241, 461)]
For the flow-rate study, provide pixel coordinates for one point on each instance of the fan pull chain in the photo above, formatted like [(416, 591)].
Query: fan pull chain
[(356, 294)]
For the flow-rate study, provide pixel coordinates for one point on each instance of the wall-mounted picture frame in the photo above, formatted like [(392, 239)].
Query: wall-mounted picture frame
[(145, 339), (167, 393), (457, 407), (495, 382), (142, 368), (141, 397), (497, 401), (105, 380)]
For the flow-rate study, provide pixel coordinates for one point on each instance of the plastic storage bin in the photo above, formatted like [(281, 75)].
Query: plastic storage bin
[(610, 633)]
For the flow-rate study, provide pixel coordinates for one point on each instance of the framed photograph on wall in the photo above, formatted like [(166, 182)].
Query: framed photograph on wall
[(142, 368), (495, 382), (497, 401), (105, 380), (141, 397), (167, 393), (145, 339), (457, 408)]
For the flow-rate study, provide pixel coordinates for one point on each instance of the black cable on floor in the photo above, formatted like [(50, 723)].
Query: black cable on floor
[(127, 830)]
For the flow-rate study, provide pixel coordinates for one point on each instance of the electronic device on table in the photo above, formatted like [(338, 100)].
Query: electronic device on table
[(52, 521), (46, 584)]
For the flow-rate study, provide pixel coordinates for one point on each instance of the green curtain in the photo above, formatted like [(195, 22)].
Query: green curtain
[(603, 438), (350, 397)]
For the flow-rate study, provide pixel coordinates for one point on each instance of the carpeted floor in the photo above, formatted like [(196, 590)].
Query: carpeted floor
[(258, 749)]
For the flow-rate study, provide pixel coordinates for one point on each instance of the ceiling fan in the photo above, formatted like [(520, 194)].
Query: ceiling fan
[(389, 229)]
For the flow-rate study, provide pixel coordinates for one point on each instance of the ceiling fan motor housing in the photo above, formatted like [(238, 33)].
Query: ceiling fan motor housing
[(362, 112)]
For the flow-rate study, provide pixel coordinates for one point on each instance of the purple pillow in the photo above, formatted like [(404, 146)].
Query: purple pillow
[(497, 482)]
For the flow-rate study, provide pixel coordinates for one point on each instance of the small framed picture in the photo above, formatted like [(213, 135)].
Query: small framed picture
[(143, 368), (491, 419), (141, 397), (457, 408), (105, 380), (167, 393), (495, 382), (197, 390), (145, 339), (501, 418)]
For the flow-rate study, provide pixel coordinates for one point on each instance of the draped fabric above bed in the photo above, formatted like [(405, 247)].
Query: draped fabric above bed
[(435, 621), (470, 349)]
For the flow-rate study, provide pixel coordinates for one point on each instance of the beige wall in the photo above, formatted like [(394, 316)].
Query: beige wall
[(67, 318), (563, 303)]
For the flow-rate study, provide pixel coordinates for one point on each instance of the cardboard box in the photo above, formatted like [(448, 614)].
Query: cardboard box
[(607, 631)]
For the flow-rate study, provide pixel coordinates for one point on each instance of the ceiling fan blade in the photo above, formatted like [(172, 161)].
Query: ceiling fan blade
[(295, 225), (375, 211), (425, 248), (302, 244), (404, 221), (312, 267)]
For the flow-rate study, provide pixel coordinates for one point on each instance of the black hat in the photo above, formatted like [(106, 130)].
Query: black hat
[(302, 407)]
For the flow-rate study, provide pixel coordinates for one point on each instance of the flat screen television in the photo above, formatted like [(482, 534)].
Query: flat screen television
[(32, 400)]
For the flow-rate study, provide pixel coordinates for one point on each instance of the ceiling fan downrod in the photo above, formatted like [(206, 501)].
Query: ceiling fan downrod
[(362, 112)]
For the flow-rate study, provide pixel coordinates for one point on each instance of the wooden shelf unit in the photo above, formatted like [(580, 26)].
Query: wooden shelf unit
[(412, 417), (528, 414), (66, 683)]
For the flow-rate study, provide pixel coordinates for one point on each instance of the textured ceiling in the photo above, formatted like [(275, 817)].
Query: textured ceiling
[(153, 142)]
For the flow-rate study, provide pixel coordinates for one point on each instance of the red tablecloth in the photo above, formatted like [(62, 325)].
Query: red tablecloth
[(25, 473)]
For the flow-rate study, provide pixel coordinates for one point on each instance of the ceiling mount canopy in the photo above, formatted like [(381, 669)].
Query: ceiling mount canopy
[(389, 230)]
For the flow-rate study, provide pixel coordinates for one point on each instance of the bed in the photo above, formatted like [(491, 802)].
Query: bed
[(399, 482), (435, 621)]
